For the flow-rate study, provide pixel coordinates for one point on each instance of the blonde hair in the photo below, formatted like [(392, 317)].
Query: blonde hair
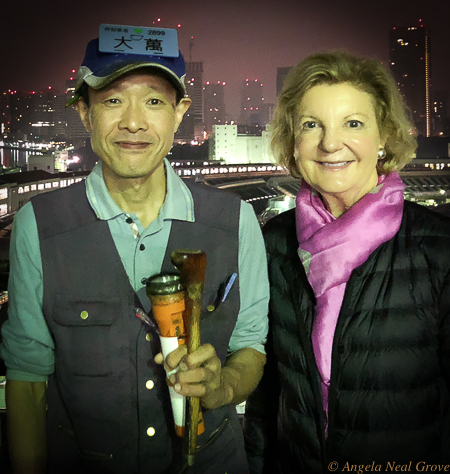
[(364, 74)]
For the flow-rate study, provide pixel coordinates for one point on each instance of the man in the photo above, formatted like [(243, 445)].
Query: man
[(80, 258)]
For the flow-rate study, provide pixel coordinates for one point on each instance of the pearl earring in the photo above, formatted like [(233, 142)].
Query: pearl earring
[(381, 153)]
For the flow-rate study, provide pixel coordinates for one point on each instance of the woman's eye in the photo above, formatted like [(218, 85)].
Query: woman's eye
[(355, 124), (309, 125)]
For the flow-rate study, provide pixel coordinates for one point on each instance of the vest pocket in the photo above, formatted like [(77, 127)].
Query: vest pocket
[(223, 452), (86, 336), (219, 318)]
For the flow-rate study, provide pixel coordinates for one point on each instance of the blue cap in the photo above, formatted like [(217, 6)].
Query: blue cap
[(100, 69)]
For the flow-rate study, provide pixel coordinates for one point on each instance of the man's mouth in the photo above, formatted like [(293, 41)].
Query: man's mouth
[(129, 145)]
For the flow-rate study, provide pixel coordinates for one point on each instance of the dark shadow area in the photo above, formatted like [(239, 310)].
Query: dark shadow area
[(4, 461)]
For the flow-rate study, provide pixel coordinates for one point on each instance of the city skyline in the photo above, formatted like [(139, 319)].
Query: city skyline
[(234, 40)]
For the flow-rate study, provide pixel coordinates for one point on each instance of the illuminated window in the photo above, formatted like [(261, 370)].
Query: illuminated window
[(55, 184), (40, 187), (26, 189), (48, 185), (69, 182), (33, 187)]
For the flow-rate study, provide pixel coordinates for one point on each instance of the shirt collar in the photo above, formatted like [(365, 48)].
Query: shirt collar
[(178, 205)]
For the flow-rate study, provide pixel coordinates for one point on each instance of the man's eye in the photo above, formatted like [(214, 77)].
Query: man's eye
[(355, 124), (112, 101), (155, 101)]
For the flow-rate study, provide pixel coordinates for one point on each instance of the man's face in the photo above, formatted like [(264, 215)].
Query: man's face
[(132, 124)]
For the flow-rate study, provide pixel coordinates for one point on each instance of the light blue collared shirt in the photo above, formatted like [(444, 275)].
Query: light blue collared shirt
[(28, 348)]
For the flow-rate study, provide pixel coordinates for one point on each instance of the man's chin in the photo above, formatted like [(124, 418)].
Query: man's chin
[(131, 173)]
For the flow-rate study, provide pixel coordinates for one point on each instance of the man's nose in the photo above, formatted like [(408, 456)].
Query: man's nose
[(332, 140), (133, 119)]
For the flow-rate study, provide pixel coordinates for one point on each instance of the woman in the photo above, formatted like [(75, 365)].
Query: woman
[(358, 372)]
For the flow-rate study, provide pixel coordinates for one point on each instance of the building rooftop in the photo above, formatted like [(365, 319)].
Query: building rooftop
[(25, 177)]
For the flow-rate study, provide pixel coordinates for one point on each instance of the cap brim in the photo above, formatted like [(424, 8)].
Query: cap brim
[(98, 82)]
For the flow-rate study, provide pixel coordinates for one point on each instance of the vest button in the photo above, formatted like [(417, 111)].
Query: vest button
[(142, 247), (129, 220), (149, 384), (149, 337), (151, 431), (84, 315)]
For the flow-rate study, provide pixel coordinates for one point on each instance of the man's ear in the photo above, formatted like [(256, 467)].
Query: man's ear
[(180, 109), (83, 111)]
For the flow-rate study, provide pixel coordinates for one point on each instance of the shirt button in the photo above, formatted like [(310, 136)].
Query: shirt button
[(149, 384), (151, 431), (149, 337), (129, 220), (84, 315), (142, 247)]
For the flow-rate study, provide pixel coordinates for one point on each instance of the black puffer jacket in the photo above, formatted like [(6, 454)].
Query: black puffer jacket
[(389, 398)]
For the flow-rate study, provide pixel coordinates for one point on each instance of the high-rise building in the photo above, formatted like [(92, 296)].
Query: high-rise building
[(409, 58), (43, 119), (228, 145), (439, 113), (254, 111), (214, 112), (5, 114), (75, 131), (192, 125), (59, 117), (21, 109), (282, 73)]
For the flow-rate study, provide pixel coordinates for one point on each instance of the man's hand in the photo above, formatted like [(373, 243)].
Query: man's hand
[(197, 375), (200, 374)]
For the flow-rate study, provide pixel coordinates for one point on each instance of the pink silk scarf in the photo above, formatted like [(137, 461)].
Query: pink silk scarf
[(330, 249)]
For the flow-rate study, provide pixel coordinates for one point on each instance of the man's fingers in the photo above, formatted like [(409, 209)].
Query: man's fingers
[(174, 358), (206, 374), (214, 364), (213, 370), (200, 356), (199, 381), (191, 361), (191, 376), (190, 390)]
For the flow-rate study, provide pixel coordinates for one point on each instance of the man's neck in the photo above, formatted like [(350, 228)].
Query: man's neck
[(143, 197)]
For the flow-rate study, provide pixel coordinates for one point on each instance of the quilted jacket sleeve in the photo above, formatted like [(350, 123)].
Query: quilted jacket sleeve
[(445, 331), (260, 422)]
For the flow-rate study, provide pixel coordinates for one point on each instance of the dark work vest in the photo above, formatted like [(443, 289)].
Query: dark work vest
[(99, 407)]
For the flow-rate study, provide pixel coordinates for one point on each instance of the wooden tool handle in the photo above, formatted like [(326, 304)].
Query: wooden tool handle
[(192, 267)]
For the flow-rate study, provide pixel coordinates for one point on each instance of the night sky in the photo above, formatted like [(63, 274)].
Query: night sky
[(42, 41)]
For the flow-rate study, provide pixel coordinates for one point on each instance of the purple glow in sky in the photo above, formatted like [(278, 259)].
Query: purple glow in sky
[(236, 39)]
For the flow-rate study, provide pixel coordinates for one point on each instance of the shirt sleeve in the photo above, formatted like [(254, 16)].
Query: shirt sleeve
[(252, 323), (27, 347)]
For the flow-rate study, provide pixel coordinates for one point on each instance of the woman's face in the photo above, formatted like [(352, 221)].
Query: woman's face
[(337, 143)]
